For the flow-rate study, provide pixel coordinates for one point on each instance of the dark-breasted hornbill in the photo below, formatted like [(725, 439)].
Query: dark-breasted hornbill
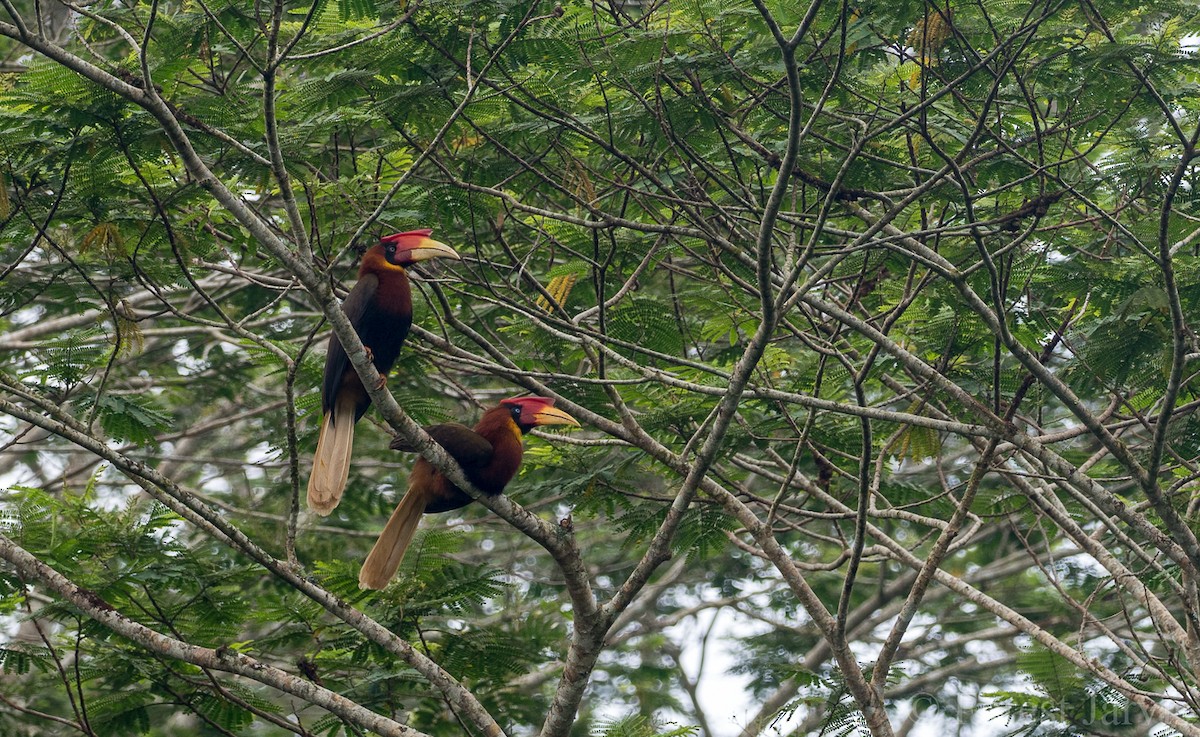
[(380, 309), (489, 455)]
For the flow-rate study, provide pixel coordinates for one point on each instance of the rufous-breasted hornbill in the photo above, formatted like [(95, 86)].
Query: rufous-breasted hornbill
[(489, 455), (380, 309)]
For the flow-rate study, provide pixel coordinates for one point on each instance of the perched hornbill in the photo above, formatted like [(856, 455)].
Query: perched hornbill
[(380, 309), (489, 455)]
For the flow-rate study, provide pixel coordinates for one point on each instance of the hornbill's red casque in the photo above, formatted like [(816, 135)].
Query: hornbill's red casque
[(380, 309), (489, 455)]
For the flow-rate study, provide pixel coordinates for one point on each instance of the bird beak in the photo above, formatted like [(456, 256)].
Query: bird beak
[(428, 248), (553, 416)]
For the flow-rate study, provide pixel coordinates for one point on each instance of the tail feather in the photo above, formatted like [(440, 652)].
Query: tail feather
[(331, 464), (384, 558)]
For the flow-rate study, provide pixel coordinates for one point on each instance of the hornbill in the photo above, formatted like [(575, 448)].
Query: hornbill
[(380, 309), (489, 455)]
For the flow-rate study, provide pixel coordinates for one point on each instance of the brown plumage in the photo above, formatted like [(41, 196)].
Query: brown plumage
[(489, 455), (380, 309)]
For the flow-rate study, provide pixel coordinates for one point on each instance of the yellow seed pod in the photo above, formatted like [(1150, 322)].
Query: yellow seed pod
[(559, 287), (106, 238), (930, 34)]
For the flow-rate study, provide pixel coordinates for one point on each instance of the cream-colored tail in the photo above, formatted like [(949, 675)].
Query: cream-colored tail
[(331, 464), (385, 557)]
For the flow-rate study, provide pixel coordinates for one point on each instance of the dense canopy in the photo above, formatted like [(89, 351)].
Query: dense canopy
[(880, 319)]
